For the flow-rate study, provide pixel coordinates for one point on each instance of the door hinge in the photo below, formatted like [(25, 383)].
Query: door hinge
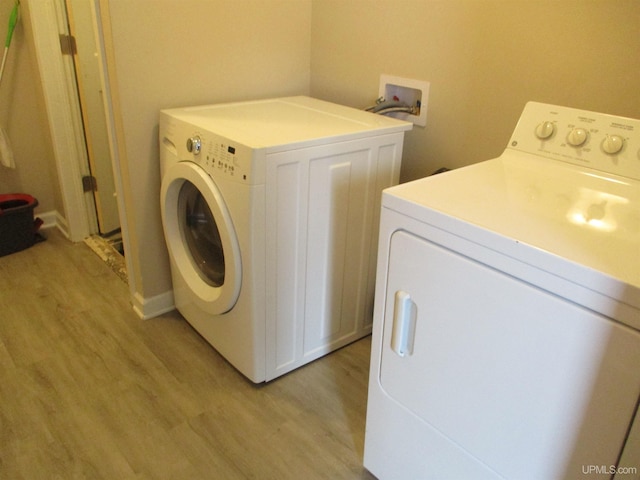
[(68, 44), (89, 183)]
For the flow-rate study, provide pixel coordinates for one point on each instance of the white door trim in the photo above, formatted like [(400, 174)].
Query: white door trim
[(48, 19), (63, 112)]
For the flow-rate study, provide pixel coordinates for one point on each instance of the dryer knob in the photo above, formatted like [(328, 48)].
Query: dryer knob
[(577, 137), (545, 130), (612, 144), (194, 145)]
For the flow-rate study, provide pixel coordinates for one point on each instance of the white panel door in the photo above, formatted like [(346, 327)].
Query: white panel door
[(324, 204), (340, 210)]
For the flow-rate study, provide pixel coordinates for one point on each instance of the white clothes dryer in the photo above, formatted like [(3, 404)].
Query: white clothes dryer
[(506, 340), (270, 213)]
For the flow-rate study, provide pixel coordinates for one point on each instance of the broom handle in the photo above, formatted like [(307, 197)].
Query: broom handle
[(4, 60), (13, 19)]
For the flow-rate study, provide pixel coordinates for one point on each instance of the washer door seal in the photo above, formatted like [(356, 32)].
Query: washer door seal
[(200, 237)]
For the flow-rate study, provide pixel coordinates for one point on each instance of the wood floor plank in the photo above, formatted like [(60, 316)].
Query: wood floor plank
[(90, 391)]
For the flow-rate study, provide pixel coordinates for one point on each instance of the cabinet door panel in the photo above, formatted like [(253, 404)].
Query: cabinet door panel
[(323, 203)]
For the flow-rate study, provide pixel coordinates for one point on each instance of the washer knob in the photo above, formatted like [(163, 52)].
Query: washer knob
[(194, 145), (612, 144), (545, 130), (577, 136)]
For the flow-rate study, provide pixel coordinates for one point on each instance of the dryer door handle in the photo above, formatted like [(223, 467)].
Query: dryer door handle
[(404, 324)]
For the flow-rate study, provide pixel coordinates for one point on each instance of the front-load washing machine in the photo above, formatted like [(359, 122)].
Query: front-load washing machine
[(506, 339), (270, 212)]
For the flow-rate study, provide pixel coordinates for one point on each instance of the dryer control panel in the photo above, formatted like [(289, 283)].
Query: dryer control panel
[(600, 141)]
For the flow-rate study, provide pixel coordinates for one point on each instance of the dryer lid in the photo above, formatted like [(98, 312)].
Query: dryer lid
[(582, 225)]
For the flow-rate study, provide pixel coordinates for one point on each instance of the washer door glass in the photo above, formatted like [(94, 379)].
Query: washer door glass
[(201, 234), (202, 242)]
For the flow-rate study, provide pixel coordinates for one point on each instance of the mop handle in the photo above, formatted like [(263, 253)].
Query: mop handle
[(13, 19)]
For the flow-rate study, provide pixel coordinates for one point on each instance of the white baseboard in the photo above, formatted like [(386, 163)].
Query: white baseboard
[(145, 308), (152, 307), (53, 219)]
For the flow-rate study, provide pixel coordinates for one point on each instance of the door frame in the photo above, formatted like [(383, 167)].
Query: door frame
[(48, 20), (82, 23), (64, 118)]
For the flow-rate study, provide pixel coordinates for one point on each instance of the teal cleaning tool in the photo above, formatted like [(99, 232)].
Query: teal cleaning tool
[(6, 153), (13, 19)]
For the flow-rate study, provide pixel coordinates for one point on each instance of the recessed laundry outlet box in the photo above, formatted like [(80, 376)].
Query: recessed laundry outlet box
[(17, 226)]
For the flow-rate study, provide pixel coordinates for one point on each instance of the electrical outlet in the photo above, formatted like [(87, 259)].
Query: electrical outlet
[(414, 93)]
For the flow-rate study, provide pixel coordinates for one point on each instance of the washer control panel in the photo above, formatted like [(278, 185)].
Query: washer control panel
[(220, 157), (594, 140)]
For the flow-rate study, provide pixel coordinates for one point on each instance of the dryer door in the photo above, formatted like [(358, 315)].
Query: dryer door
[(200, 237), (523, 381)]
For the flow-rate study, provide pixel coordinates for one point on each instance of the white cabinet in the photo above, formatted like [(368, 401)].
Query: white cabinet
[(321, 251)]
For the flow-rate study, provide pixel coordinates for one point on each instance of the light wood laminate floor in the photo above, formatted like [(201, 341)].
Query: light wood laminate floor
[(90, 391)]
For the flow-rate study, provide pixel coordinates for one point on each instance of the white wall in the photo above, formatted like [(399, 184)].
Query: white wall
[(169, 53), (484, 58)]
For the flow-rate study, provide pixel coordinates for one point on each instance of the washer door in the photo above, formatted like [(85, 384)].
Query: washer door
[(200, 236)]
